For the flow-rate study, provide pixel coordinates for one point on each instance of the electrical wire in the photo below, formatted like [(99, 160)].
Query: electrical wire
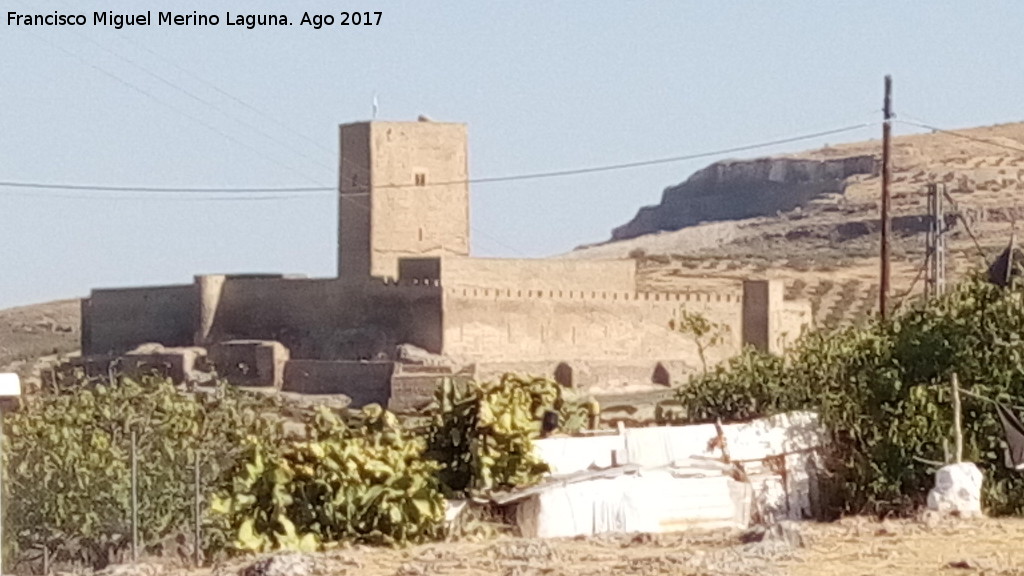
[(183, 190), (117, 78), (959, 134), (364, 190)]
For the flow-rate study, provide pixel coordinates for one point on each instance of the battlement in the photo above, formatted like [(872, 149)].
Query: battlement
[(405, 277), (595, 295)]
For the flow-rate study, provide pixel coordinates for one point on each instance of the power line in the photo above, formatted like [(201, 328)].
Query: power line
[(157, 99), (670, 159), (17, 194), (960, 135), (486, 180), (97, 188), (136, 46), (202, 100)]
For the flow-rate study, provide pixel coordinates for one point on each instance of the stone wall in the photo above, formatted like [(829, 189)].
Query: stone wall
[(536, 320), (413, 386), (363, 382), (117, 320), (354, 180), (606, 375), (797, 317), (497, 327), (328, 319), (331, 319), (521, 275)]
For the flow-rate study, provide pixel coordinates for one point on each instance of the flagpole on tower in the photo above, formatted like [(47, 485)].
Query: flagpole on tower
[(376, 107)]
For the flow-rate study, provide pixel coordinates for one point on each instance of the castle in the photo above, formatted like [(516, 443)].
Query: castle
[(406, 277)]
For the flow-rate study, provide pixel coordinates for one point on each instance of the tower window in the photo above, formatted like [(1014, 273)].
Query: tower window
[(421, 179)]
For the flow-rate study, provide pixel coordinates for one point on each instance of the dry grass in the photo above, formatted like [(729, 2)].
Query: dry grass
[(852, 547)]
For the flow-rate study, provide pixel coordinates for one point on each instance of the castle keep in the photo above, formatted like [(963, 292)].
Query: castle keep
[(405, 277)]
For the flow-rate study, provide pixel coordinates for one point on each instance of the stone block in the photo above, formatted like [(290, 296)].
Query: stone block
[(178, 364), (250, 362), (364, 382), (413, 387)]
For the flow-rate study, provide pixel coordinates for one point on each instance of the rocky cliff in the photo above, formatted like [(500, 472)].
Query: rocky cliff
[(827, 251), (745, 189)]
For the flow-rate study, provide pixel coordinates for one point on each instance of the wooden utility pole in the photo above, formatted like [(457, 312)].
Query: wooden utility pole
[(935, 284), (883, 290)]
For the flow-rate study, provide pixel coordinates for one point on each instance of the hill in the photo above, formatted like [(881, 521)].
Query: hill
[(30, 332), (812, 218)]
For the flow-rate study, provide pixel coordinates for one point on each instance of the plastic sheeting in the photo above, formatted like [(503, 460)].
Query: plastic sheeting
[(651, 502), (681, 482), (660, 446), (569, 455)]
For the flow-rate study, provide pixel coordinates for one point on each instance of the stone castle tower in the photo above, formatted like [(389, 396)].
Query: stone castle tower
[(403, 192)]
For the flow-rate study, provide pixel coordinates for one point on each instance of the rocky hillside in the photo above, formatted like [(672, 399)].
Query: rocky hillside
[(812, 217), (746, 189), (30, 332)]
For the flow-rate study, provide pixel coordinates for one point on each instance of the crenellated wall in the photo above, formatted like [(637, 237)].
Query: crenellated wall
[(597, 333), (536, 274), (405, 277)]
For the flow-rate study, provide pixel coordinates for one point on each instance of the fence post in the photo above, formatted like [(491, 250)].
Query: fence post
[(958, 435), (135, 496), (197, 486)]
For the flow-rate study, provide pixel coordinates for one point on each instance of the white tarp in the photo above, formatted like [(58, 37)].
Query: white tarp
[(774, 436), (569, 455), (678, 485), (655, 447), (660, 446), (651, 502)]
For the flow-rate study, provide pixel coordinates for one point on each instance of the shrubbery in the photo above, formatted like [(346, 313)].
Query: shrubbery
[(482, 433), (68, 469), (365, 484), (356, 477), (884, 393)]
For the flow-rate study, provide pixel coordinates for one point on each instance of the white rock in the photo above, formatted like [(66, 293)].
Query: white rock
[(957, 490)]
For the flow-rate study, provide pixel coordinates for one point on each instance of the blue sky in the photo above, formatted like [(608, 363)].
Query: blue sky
[(542, 86)]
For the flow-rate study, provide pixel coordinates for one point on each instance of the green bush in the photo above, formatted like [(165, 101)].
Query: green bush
[(482, 433), (883, 391), (68, 471), (369, 484)]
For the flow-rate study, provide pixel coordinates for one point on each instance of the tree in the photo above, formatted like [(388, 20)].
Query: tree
[(705, 333), (882, 390)]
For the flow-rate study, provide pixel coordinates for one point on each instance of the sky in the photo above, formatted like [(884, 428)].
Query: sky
[(543, 86)]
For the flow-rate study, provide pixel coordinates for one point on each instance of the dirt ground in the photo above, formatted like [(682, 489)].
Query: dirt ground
[(851, 547)]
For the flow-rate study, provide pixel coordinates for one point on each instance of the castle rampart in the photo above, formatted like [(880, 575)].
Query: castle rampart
[(405, 277)]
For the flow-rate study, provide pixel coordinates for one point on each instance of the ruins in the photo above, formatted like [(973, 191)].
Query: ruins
[(409, 303)]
